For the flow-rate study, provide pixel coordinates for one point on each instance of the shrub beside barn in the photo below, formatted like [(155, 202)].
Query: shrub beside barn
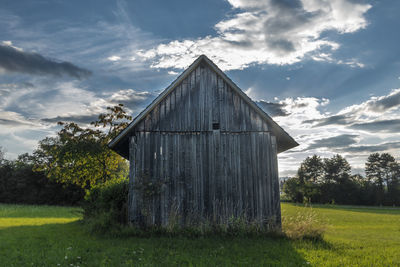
[(203, 151)]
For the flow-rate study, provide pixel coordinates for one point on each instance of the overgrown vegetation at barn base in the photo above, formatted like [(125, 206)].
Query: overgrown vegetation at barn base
[(105, 213), (105, 206)]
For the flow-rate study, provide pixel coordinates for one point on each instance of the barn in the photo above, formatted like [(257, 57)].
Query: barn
[(203, 151)]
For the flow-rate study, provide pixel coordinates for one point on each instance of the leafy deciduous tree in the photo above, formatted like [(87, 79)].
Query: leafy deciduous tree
[(80, 155)]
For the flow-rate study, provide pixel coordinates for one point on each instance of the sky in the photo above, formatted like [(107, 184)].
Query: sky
[(328, 71)]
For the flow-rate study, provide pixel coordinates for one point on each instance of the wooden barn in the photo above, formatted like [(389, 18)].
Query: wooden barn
[(203, 150)]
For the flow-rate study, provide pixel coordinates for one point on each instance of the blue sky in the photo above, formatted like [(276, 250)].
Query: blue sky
[(327, 71)]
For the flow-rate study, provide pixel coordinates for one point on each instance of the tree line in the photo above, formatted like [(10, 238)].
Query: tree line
[(329, 180), (20, 184), (61, 168)]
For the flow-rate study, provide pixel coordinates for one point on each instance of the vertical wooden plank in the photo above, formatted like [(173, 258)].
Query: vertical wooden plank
[(235, 115), (178, 108), (213, 179), (202, 97), (162, 116), (268, 172), (147, 122), (232, 177), (228, 106), (188, 178), (247, 117), (214, 101), (264, 125), (192, 110), (185, 105), (262, 178), (243, 172), (132, 211), (182, 175), (172, 114), (218, 163), (167, 175), (167, 118), (238, 205), (277, 202), (221, 104), (161, 173)]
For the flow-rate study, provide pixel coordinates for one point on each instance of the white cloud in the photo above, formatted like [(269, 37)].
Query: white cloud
[(375, 106), (114, 58), (10, 43), (366, 127), (268, 32)]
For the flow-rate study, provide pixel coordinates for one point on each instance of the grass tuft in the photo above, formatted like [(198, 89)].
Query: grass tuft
[(304, 225)]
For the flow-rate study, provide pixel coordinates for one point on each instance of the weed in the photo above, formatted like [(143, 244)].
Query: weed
[(303, 225)]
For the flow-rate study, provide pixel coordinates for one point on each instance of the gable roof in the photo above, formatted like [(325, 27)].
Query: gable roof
[(284, 140)]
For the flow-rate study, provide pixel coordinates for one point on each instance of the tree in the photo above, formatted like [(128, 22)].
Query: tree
[(384, 172), (1, 155), (292, 189), (20, 184), (311, 170), (337, 169), (80, 155), (310, 175)]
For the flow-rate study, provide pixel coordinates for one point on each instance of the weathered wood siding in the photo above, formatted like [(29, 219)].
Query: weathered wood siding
[(207, 173), (203, 98)]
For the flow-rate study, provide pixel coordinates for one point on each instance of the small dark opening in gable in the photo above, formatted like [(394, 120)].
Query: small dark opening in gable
[(216, 126)]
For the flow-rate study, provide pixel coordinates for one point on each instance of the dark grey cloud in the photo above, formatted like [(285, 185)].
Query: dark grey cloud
[(73, 118), (388, 126), (131, 99), (15, 60), (282, 45), (371, 148), (385, 103), (273, 109), (10, 122), (335, 120), (291, 16), (335, 142), (287, 4)]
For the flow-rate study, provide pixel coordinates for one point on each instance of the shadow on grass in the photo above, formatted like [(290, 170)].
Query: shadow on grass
[(69, 243)]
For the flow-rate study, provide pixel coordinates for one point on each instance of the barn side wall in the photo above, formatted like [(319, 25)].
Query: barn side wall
[(211, 154), (214, 176)]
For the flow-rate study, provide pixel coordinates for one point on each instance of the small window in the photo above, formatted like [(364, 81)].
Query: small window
[(215, 126)]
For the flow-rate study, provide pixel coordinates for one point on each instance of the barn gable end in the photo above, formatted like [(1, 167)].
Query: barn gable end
[(200, 98)]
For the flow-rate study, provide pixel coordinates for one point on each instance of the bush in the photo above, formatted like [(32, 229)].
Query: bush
[(105, 206), (305, 225)]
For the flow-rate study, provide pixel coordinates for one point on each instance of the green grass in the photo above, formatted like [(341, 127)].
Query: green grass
[(48, 236)]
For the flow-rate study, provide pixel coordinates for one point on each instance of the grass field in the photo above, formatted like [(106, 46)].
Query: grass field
[(52, 236)]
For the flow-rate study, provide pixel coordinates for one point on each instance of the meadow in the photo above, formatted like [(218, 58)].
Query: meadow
[(54, 236)]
